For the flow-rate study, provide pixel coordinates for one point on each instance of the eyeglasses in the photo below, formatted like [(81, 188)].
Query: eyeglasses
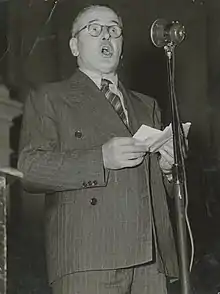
[(95, 30)]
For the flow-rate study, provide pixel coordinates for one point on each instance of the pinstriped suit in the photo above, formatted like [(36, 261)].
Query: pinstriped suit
[(95, 218)]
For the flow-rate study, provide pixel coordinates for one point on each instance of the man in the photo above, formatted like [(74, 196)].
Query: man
[(107, 221)]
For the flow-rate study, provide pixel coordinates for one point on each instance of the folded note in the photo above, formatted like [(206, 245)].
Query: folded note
[(155, 138)]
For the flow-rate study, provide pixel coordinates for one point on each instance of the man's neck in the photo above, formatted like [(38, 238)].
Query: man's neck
[(96, 76)]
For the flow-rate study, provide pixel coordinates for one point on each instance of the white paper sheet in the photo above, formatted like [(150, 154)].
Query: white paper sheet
[(155, 138)]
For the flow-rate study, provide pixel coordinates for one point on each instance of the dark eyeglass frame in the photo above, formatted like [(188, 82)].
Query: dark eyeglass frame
[(101, 26)]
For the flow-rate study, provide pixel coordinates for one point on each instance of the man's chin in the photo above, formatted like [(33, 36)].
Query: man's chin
[(107, 68)]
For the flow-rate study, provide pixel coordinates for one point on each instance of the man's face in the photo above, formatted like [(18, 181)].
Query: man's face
[(99, 54)]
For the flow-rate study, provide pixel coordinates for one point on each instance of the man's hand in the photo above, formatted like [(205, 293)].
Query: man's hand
[(121, 152), (166, 160)]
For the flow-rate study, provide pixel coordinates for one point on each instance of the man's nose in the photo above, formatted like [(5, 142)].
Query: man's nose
[(105, 33)]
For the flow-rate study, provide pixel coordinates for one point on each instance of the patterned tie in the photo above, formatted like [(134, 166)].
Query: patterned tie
[(114, 100)]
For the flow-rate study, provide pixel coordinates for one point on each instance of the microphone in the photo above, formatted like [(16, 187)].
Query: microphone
[(163, 32)]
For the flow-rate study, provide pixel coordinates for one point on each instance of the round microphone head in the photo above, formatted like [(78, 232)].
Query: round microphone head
[(158, 33), (177, 32)]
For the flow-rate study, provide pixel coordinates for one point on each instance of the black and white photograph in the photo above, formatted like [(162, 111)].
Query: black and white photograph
[(109, 147)]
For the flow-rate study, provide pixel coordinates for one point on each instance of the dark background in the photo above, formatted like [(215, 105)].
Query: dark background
[(34, 38)]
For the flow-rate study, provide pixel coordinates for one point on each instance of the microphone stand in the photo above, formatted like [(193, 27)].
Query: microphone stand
[(179, 174)]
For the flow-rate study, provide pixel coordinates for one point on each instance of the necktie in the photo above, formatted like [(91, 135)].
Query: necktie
[(113, 99)]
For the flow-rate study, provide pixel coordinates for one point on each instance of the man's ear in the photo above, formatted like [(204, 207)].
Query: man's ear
[(74, 46)]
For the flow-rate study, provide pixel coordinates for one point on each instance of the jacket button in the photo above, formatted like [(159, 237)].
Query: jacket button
[(93, 201), (78, 134)]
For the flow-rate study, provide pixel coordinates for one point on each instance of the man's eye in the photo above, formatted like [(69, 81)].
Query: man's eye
[(95, 28), (115, 30)]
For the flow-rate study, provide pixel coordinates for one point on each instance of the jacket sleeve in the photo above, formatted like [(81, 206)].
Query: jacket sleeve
[(45, 167)]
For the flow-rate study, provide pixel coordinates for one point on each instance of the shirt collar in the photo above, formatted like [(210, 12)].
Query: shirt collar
[(96, 78)]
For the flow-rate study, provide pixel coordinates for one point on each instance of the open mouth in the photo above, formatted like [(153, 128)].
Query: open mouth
[(106, 50)]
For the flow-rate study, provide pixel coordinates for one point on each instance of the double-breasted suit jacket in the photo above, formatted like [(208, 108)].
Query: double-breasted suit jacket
[(95, 218)]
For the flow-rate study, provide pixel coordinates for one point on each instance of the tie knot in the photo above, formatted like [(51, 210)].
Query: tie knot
[(105, 83)]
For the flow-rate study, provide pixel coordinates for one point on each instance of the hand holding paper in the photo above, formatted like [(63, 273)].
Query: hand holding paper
[(162, 142), (155, 139)]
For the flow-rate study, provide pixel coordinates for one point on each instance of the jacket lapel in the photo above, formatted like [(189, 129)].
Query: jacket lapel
[(84, 91)]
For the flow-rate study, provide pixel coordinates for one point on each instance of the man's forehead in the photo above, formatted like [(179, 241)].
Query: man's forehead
[(102, 14)]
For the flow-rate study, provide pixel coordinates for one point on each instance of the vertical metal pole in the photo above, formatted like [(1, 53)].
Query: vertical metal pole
[(178, 178), (3, 236)]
